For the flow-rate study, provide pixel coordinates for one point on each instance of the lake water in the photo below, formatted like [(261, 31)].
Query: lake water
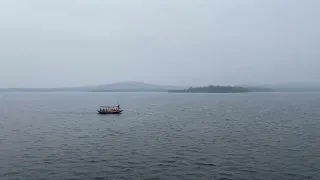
[(160, 136)]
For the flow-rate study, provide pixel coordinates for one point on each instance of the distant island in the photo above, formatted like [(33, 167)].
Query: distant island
[(213, 89)]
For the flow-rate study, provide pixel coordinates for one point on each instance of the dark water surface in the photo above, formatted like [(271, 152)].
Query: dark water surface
[(160, 136)]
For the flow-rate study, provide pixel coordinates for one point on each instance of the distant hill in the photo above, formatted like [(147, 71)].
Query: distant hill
[(133, 87), (115, 87)]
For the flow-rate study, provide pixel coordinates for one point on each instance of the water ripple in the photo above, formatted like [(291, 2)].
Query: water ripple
[(160, 136)]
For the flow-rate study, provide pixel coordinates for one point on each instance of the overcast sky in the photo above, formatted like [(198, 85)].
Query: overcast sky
[(176, 42)]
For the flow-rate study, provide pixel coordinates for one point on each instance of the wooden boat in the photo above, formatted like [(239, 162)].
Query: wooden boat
[(110, 110)]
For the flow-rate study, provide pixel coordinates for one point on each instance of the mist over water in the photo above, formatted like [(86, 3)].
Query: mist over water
[(160, 136)]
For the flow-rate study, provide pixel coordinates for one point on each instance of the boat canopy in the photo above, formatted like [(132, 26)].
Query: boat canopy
[(108, 106)]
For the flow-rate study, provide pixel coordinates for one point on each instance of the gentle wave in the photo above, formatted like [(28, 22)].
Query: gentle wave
[(160, 136)]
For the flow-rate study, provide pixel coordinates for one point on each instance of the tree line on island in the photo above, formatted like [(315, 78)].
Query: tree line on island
[(220, 89)]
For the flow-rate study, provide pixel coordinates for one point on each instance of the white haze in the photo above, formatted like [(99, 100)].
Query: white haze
[(175, 42)]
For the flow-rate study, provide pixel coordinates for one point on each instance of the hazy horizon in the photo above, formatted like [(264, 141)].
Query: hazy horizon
[(129, 83), (66, 43)]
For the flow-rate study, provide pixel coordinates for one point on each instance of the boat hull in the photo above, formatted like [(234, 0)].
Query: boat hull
[(109, 112)]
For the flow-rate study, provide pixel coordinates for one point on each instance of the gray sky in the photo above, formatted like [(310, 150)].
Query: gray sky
[(176, 42)]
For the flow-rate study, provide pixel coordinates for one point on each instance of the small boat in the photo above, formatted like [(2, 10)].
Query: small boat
[(110, 110)]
